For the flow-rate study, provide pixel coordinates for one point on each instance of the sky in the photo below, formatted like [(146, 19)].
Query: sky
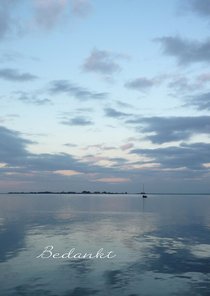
[(105, 95)]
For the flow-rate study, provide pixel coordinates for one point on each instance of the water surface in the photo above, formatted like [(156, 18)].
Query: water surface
[(162, 245)]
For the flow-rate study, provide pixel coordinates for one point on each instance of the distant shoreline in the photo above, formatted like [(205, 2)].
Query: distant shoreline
[(103, 192)]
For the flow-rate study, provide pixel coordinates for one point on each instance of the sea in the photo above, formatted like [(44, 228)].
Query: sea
[(120, 245)]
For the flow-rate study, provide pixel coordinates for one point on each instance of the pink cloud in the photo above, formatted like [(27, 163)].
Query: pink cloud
[(126, 146), (49, 12), (67, 172)]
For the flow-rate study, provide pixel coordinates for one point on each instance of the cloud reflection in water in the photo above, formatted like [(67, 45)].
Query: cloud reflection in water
[(162, 246)]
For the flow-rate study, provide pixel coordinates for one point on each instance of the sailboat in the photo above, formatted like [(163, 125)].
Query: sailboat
[(143, 193)]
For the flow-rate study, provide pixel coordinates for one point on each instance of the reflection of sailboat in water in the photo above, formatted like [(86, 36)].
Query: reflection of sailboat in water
[(143, 193), (143, 204)]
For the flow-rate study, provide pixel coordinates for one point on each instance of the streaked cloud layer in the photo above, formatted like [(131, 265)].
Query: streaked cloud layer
[(14, 75), (100, 99)]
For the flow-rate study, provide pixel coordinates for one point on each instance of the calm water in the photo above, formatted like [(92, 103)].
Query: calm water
[(162, 245)]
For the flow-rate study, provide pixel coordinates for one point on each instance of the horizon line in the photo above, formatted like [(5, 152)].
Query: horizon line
[(87, 192)]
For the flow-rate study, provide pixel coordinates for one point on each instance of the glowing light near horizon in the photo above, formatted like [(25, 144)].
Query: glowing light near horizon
[(67, 172), (145, 166), (2, 165), (19, 174), (206, 165)]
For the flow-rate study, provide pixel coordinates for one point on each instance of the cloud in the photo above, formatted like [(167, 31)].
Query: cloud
[(8, 23), (66, 172), (32, 98), (78, 121), (202, 8), (123, 104), (200, 102), (191, 156), (14, 75), (15, 56), (8, 117), (70, 145), (118, 160), (4, 21), (102, 62), (127, 146), (168, 129), (18, 159), (81, 7), (203, 78), (182, 84), (49, 12), (10, 56), (22, 170), (141, 83), (12, 146), (186, 51), (101, 147), (81, 93), (110, 112), (53, 162), (14, 152), (44, 14)]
